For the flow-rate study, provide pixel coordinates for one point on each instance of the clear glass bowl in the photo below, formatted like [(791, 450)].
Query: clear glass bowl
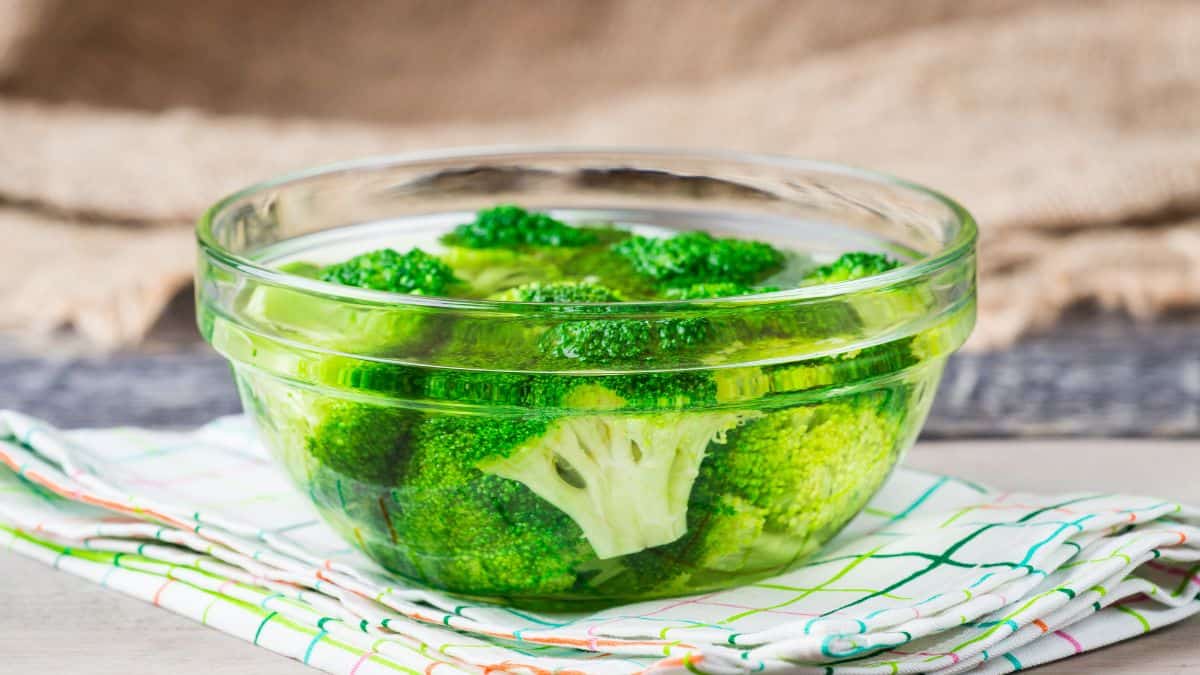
[(698, 468)]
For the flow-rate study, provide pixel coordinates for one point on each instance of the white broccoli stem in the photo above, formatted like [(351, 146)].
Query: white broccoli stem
[(624, 479)]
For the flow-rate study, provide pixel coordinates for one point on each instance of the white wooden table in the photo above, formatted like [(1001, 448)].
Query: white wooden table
[(51, 622)]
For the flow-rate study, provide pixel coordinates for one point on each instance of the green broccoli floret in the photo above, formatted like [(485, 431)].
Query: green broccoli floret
[(507, 247), (781, 485), (617, 454), (325, 322), (513, 344), (624, 478), (769, 330), (510, 226), (853, 436), (697, 257), (604, 265), (361, 441), (560, 292), (469, 531), (414, 272), (624, 341), (851, 266), (368, 328), (487, 271), (727, 289)]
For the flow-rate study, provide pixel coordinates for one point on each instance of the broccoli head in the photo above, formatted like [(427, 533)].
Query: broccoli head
[(361, 441), (364, 327), (415, 272), (510, 226), (624, 478), (459, 527), (560, 292), (697, 257), (477, 342), (488, 271), (614, 341), (723, 289), (851, 266), (779, 487)]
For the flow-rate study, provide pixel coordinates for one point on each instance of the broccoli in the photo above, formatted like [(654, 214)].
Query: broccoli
[(783, 483), (414, 272), (365, 327), (336, 324), (506, 246), (513, 343), (510, 226), (624, 341), (492, 270), (361, 441), (850, 266), (470, 531), (561, 292), (726, 289), (697, 257), (624, 478), (599, 339)]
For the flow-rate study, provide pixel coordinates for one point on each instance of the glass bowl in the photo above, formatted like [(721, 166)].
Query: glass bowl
[(441, 438)]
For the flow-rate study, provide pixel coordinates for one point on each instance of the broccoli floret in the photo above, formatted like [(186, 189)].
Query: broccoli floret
[(510, 226), (507, 247), (851, 266), (604, 340), (461, 528), (781, 485), (492, 270), (361, 441), (370, 328), (770, 330), (513, 344), (623, 478), (414, 272), (561, 292), (603, 265), (624, 341), (727, 289), (822, 445), (697, 257)]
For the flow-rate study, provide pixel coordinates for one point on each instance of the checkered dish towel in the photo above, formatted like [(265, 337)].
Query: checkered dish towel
[(936, 575)]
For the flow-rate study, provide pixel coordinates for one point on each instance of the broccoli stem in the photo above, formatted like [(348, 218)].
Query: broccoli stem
[(624, 479)]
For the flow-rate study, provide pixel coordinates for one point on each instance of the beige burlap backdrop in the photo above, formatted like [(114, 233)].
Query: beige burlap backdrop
[(1071, 129)]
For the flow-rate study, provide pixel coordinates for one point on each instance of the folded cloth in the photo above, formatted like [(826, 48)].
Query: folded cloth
[(937, 575), (1069, 128)]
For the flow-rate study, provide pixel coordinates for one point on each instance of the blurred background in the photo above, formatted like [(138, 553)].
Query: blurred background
[(1070, 128)]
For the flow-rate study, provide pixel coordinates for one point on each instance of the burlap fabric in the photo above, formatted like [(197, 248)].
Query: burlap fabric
[(1070, 128)]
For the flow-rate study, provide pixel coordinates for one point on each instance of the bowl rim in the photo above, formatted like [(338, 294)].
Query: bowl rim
[(960, 245)]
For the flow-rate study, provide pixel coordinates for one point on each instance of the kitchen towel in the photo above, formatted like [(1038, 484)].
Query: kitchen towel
[(1069, 128), (937, 575)]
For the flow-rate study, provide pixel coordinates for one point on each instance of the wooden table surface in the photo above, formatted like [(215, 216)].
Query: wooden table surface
[(56, 623)]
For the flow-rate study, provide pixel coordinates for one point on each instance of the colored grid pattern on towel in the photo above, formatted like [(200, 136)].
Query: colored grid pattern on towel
[(936, 575)]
